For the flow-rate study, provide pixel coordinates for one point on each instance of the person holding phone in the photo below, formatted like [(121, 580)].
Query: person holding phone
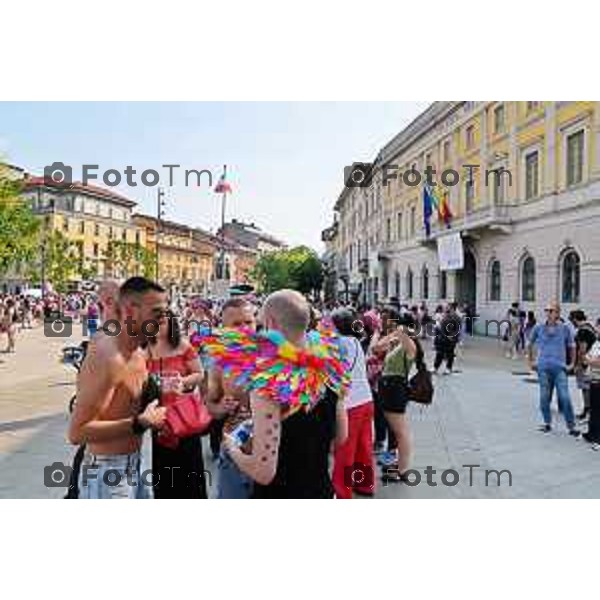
[(401, 350)]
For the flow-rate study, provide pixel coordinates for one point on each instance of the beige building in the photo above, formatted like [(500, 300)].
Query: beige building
[(528, 236), (88, 215)]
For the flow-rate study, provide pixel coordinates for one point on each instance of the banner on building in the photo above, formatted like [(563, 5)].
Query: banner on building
[(450, 252)]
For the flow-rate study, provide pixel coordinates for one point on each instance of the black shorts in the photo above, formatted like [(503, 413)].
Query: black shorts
[(393, 393)]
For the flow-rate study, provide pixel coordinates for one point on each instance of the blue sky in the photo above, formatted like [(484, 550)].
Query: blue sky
[(285, 159)]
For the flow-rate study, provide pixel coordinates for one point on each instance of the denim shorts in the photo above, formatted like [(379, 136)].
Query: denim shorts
[(113, 477), (232, 483)]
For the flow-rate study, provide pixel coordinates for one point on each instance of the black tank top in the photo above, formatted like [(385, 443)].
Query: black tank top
[(303, 461)]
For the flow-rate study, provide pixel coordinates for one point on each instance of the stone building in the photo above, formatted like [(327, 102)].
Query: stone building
[(527, 208)]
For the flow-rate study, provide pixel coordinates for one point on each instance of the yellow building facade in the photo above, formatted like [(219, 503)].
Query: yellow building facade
[(532, 192), (89, 216)]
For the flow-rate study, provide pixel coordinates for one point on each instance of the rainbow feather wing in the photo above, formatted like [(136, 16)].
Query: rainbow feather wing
[(266, 362)]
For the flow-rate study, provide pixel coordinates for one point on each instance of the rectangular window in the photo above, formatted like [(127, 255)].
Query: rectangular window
[(82, 227), (66, 225), (499, 119), (470, 136), (124, 235), (95, 249), (447, 151), (532, 105), (413, 220), (388, 230), (498, 186), (469, 193), (96, 229), (137, 238), (531, 175), (399, 230), (575, 143)]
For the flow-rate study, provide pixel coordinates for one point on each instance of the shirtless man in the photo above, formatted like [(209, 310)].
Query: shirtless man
[(108, 416), (230, 405)]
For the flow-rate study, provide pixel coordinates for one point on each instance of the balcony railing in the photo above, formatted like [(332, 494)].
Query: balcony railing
[(493, 217)]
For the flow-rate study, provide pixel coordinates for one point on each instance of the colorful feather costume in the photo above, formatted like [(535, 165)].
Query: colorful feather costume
[(266, 362)]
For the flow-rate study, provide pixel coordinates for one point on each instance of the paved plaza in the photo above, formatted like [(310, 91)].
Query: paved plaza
[(486, 415)]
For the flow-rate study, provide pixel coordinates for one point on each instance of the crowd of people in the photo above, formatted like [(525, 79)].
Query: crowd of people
[(134, 382), (260, 448)]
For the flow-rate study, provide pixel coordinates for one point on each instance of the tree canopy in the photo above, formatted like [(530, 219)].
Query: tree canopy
[(297, 268)]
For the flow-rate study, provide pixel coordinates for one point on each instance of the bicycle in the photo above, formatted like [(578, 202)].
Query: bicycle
[(74, 356)]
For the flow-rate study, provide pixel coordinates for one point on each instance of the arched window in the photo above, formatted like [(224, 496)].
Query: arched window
[(495, 281), (528, 280), (443, 279), (570, 277), (409, 283), (425, 283)]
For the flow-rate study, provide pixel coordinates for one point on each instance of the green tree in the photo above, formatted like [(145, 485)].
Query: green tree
[(272, 271), (298, 268), (306, 270), (19, 228), (62, 259), (127, 259), (145, 261)]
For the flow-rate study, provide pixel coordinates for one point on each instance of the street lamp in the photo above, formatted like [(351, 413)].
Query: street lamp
[(160, 213)]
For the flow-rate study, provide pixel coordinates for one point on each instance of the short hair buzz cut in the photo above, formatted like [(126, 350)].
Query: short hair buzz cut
[(137, 286), (290, 309), (237, 303)]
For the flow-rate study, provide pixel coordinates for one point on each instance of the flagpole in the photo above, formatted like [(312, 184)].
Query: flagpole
[(223, 204)]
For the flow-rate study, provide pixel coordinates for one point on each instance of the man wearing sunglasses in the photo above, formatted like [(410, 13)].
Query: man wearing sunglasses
[(555, 358)]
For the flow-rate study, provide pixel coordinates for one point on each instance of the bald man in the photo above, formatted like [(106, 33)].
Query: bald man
[(290, 450)]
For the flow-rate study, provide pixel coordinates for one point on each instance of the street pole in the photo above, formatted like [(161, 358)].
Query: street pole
[(43, 274), (223, 206), (159, 214)]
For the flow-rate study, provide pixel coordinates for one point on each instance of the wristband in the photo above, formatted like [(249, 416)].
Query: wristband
[(137, 427)]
